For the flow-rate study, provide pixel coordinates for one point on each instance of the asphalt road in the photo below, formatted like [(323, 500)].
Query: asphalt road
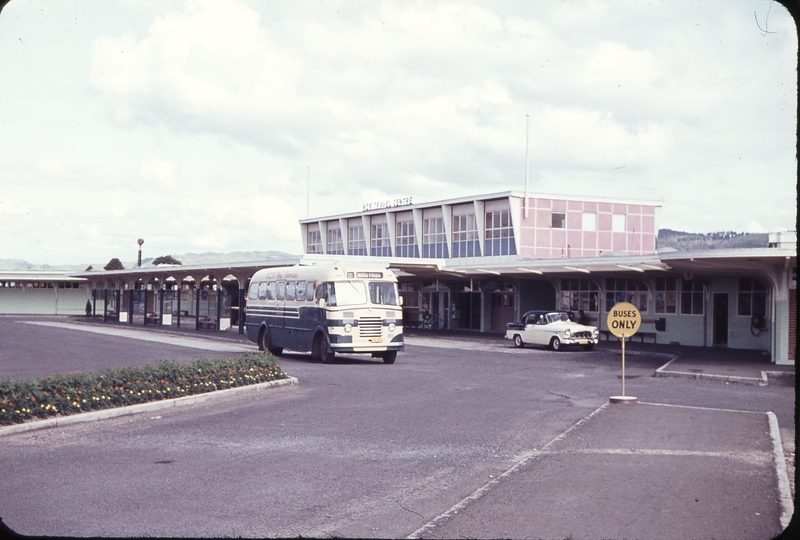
[(358, 449)]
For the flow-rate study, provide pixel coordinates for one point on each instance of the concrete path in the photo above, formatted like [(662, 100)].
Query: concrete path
[(158, 337)]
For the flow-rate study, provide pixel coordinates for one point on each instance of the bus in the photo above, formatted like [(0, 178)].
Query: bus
[(326, 309)]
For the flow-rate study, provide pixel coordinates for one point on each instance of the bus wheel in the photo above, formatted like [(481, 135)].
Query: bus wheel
[(265, 344), (389, 357), (263, 340), (321, 349)]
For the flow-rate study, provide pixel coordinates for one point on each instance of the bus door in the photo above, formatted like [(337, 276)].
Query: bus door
[(296, 334), (277, 319)]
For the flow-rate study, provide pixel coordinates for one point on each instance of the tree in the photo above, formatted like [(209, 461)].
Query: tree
[(114, 264), (89, 268), (165, 259)]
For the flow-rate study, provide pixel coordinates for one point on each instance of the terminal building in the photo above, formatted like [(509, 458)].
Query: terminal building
[(474, 264)]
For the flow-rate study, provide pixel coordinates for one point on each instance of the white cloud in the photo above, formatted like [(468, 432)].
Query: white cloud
[(194, 124), (51, 167), (159, 171)]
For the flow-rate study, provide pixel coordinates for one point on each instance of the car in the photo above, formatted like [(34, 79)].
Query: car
[(554, 329)]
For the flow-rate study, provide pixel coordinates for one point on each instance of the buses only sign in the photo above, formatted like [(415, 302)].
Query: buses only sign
[(624, 320)]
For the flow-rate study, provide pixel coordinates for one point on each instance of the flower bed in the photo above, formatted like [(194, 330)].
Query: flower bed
[(79, 392)]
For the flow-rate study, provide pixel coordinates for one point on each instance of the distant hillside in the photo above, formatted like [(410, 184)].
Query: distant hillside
[(187, 259), (684, 241)]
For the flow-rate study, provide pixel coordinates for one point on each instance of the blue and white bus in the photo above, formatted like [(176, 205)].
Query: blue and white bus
[(326, 309)]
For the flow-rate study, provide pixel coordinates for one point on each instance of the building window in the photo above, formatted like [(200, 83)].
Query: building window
[(589, 221), (691, 297), (314, 242), (465, 236), (499, 234), (559, 220), (335, 244), (379, 242), (626, 290), (406, 243), (434, 240), (666, 294), (356, 243), (579, 294), (752, 298), (618, 222)]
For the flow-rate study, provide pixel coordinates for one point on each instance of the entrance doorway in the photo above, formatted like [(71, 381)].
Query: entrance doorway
[(720, 319), (502, 310)]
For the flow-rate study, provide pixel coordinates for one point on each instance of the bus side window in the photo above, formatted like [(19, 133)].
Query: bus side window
[(271, 290), (291, 287), (281, 290), (310, 291), (262, 290), (253, 295), (301, 291)]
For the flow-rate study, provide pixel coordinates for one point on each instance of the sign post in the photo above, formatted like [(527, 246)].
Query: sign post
[(623, 321)]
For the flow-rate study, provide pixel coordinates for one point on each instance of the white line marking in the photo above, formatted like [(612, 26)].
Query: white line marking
[(785, 492), (480, 492)]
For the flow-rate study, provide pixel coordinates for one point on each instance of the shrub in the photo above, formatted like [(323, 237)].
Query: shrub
[(77, 392)]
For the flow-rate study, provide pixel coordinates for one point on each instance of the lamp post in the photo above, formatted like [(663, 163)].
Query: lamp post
[(140, 241)]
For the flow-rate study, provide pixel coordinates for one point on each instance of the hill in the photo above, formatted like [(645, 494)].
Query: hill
[(186, 259), (685, 241)]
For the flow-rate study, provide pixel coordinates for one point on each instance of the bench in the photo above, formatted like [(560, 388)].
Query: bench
[(641, 335), (208, 323)]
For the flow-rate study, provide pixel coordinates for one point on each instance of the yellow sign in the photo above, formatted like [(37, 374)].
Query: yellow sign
[(624, 320)]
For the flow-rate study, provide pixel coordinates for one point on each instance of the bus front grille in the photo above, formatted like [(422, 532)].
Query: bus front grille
[(369, 327)]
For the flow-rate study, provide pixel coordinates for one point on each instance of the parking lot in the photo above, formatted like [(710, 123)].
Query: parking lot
[(461, 437)]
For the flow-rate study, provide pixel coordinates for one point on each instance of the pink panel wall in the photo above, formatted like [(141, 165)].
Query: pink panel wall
[(540, 240), (604, 241)]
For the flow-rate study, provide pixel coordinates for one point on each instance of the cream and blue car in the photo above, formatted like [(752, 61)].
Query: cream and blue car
[(554, 329)]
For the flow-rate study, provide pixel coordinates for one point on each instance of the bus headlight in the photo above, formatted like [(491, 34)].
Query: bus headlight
[(348, 327), (392, 326)]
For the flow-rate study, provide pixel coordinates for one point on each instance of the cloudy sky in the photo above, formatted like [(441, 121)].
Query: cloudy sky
[(198, 125)]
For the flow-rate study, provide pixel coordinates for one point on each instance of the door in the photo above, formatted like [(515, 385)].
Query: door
[(502, 310), (720, 319)]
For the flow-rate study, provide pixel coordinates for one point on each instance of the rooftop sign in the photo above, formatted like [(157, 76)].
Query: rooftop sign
[(403, 201)]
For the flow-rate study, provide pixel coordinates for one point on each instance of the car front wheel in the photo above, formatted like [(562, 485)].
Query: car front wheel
[(518, 343), (555, 344)]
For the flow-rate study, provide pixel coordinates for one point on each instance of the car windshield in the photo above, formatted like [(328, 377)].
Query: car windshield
[(556, 317), (383, 293)]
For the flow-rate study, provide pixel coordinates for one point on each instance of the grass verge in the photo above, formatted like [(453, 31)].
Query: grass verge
[(79, 392)]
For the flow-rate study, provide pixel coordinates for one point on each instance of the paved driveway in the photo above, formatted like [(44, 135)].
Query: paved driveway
[(365, 449)]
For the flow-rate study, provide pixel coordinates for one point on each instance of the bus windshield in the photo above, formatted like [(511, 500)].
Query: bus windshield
[(343, 293), (383, 293)]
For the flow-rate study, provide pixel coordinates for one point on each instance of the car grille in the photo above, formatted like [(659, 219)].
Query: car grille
[(369, 327), (582, 335)]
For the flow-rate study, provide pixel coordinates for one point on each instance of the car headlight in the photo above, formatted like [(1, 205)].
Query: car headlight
[(596, 332), (392, 326), (348, 327), (567, 333)]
